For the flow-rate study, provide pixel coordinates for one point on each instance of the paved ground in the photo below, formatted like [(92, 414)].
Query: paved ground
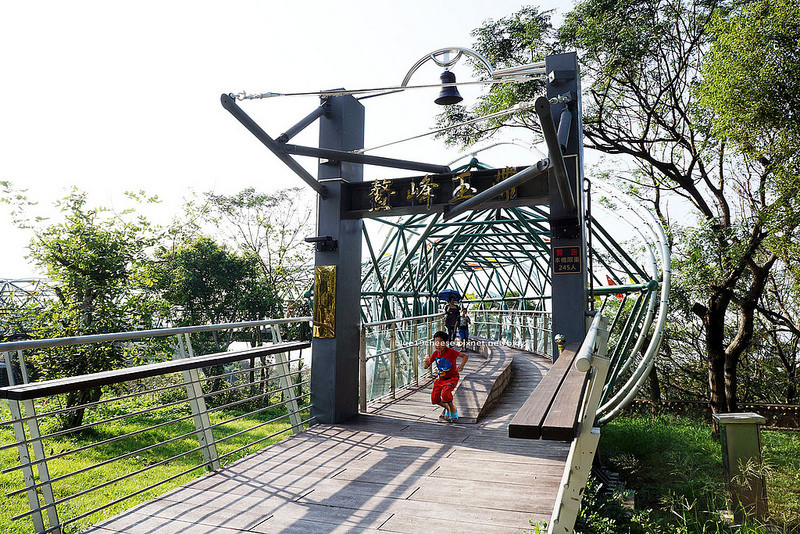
[(394, 470)]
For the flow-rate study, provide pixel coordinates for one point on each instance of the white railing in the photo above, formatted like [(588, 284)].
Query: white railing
[(391, 355), (392, 351), (146, 420), (522, 329)]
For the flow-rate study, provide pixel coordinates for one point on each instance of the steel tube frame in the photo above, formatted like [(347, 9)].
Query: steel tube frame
[(542, 105), (516, 180)]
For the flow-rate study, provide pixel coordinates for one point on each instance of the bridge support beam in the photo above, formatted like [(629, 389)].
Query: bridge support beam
[(567, 227), (334, 367)]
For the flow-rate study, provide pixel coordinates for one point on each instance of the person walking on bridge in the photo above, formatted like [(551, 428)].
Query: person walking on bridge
[(452, 311), (463, 328), (446, 359)]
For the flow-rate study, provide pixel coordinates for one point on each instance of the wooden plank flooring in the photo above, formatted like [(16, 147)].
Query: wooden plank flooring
[(394, 470)]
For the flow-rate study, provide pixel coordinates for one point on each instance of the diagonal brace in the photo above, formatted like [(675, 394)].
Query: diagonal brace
[(274, 146), (556, 156)]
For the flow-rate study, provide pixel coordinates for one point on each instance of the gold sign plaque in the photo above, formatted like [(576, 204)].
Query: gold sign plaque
[(324, 301)]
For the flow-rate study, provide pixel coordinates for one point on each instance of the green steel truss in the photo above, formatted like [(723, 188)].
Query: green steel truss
[(499, 259)]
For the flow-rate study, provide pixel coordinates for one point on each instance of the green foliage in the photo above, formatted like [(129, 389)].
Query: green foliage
[(674, 464), (520, 38), (95, 261), (781, 451), (619, 36), (208, 283), (267, 227), (602, 513), (751, 84), (751, 78)]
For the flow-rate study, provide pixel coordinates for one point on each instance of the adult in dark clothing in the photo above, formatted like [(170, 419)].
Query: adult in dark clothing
[(452, 314)]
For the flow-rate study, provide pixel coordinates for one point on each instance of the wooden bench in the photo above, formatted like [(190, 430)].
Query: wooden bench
[(551, 412)]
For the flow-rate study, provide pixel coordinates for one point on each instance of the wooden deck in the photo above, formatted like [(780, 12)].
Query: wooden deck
[(394, 470)]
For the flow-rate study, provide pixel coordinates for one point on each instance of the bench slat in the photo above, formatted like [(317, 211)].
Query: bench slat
[(528, 421), (561, 423)]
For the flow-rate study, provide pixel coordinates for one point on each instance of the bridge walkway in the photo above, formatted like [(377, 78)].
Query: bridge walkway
[(395, 469)]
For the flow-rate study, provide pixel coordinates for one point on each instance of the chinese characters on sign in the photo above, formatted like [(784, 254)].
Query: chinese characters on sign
[(423, 191), (502, 174), (379, 195), (394, 197), (566, 260), (463, 190), (325, 301)]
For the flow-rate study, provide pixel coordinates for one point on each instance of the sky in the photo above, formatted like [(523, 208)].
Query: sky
[(111, 97)]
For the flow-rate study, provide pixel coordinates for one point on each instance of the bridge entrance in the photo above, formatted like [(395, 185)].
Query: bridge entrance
[(506, 235)]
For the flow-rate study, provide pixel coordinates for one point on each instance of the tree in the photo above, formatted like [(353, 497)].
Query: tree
[(269, 227), (95, 264), (641, 61), (780, 309), (751, 84), (207, 283)]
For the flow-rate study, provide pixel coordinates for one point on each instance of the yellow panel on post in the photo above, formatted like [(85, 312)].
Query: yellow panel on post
[(325, 301)]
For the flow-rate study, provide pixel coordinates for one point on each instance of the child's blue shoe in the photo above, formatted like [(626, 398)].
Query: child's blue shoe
[(454, 417)]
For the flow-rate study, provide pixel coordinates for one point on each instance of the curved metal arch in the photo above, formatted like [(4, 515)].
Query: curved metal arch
[(448, 63)]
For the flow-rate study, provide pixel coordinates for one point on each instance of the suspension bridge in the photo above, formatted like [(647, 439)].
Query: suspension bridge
[(567, 320)]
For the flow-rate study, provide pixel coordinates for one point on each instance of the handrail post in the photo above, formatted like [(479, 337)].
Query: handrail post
[(41, 464), (282, 361), (392, 358), (23, 369), (547, 335), (25, 461), (500, 325), (584, 446), (9, 369), (362, 362), (415, 351), (197, 402), (513, 329)]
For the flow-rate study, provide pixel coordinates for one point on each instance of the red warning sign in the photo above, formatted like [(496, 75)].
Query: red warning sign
[(567, 260)]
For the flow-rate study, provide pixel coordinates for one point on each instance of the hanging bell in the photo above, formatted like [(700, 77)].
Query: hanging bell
[(448, 95)]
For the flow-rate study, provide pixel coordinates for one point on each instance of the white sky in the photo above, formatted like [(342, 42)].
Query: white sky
[(111, 97)]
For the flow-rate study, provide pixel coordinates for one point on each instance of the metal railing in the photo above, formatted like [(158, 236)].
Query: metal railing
[(591, 359), (389, 356), (392, 351), (522, 329), (153, 426)]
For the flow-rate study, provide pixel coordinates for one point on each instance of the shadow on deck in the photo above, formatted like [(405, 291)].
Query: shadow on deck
[(393, 470)]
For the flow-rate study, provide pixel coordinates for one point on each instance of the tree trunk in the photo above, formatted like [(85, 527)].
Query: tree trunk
[(731, 396), (744, 336), (655, 390), (713, 318), (79, 398), (716, 380)]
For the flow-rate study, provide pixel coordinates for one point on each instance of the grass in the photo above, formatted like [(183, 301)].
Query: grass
[(674, 464), (74, 462)]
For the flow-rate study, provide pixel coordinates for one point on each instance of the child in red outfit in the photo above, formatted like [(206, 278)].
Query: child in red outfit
[(448, 373)]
